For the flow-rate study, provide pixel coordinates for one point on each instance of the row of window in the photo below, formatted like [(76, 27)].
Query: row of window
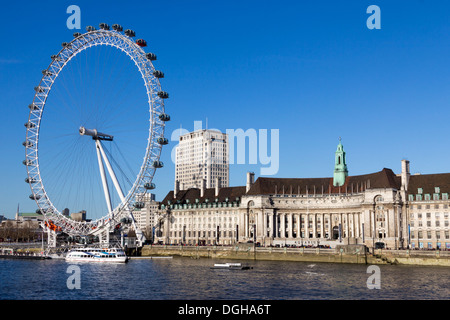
[(203, 234), (428, 197), (204, 219), (429, 234), (437, 223), (427, 206), (436, 215), (429, 245)]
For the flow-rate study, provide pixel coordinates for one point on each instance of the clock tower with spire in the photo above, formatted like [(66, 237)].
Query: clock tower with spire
[(340, 166)]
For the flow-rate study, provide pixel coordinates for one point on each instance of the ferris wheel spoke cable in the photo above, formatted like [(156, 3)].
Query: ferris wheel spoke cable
[(68, 169), (118, 166), (118, 108)]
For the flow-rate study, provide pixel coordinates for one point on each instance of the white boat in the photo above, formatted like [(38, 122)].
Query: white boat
[(229, 265), (114, 255)]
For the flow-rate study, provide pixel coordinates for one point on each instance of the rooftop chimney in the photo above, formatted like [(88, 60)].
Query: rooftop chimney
[(217, 186), (250, 180), (176, 189), (405, 175), (202, 189)]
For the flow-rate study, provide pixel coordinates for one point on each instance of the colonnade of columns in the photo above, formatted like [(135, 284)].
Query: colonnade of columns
[(285, 225)]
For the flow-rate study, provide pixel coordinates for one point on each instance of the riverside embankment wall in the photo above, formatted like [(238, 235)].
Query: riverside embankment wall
[(338, 255)]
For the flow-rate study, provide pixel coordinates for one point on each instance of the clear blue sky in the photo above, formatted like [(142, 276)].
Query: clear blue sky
[(311, 69)]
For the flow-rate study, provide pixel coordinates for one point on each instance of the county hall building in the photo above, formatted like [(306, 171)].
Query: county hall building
[(380, 209)]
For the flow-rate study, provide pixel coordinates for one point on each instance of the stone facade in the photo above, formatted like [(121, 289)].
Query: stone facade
[(381, 209)]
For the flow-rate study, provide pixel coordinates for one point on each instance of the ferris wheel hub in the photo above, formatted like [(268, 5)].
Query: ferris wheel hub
[(95, 134)]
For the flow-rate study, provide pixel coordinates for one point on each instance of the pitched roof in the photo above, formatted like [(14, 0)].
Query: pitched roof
[(190, 195), (428, 182), (385, 178)]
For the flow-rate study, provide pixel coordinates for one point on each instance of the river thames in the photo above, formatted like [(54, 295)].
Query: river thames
[(193, 279)]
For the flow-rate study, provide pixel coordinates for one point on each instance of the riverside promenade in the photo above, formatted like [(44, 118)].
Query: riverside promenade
[(340, 254)]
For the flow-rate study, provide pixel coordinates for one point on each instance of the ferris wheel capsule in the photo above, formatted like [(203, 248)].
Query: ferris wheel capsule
[(158, 164), (104, 26), (163, 141), (125, 221), (163, 94), (28, 162), (117, 27), (27, 144), (158, 74), (90, 28), (151, 56), (28, 180), (141, 43), (130, 33), (149, 186), (164, 117)]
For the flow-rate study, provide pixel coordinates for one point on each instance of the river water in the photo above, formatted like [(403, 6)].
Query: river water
[(193, 279)]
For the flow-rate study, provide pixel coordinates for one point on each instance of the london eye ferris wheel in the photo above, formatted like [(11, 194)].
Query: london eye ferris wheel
[(97, 146)]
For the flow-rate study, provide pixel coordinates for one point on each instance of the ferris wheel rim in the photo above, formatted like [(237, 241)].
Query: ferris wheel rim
[(153, 150)]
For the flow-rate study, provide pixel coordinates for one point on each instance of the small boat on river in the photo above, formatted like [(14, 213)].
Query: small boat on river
[(231, 266)]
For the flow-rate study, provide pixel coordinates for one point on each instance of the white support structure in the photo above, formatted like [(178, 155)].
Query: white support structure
[(100, 151), (51, 236), (98, 147)]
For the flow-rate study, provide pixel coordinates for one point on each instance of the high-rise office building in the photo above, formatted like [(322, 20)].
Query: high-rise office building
[(202, 157)]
